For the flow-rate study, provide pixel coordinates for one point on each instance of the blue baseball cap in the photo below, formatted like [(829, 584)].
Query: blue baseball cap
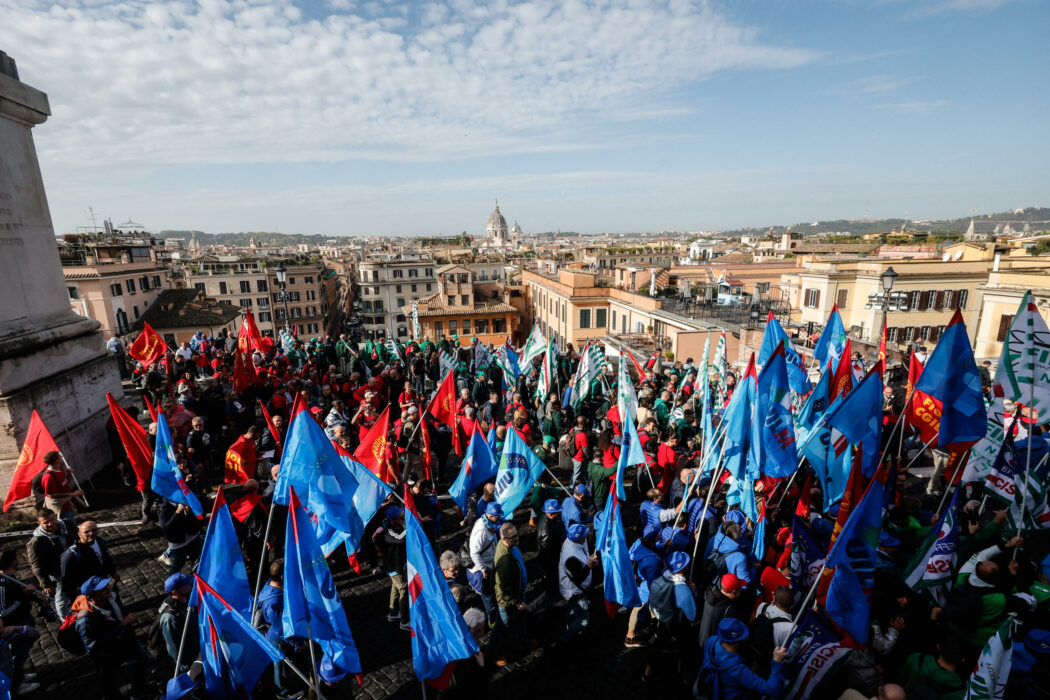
[(580, 489), (736, 516), (94, 584), (551, 505), (177, 581), (677, 561), (329, 672), (392, 513), (888, 540), (494, 509), (577, 532), (1038, 641), (179, 687), (732, 631)]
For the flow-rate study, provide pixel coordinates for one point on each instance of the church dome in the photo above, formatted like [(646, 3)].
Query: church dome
[(496, 219), (515, 228)]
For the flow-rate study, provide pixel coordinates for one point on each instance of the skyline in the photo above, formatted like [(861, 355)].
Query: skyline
[(345, 118)]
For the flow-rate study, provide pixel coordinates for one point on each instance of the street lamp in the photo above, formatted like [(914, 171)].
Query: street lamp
[(886, 300), (282, 280), (888, 278)]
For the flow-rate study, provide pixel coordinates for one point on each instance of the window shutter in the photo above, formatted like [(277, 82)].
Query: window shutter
[(1004, 326), (939, 302)]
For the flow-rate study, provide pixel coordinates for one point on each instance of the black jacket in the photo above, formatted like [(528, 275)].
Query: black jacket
[(549, 535), (178, 527), (79, 563), (44, 553)]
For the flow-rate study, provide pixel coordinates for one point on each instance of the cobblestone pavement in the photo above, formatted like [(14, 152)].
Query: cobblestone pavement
[(595, 666)]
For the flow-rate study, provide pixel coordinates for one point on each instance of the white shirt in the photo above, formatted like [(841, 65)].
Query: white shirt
[(482, 545)]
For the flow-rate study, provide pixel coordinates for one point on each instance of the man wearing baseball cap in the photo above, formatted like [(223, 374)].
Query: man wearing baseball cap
[(724, 673), (721, 602), (575, 565), (171, 618), (550, 534), (483, 538), (107, 631), (574, 508), (672, 600)]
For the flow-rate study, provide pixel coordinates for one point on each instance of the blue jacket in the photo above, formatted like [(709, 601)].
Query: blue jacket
[(571, 513), (730, 676), (650, 516), (647, 562), (271, 604), (676, 540), (738, 559)]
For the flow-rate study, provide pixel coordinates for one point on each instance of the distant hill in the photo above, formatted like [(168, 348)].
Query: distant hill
[(242, 239), (1037, 217)]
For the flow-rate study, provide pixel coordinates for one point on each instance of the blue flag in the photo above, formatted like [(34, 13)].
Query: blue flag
[(853, 556), (478, 467), (772, 427), (951, 377), (168, 481), (221, 564), (439, 634), (774, 337), (758, 545), (370, 494), (813, 434), (312, 609), (620, 584), (857, 416), (832, 341), (234, 654), (806, 554), (631, 453), (737, 423), (519, 467), (311, 466)]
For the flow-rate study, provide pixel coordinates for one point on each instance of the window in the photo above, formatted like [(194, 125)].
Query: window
[(199, 286), (297, 312), (264, 317), (499, 325), (375, 291), (439, 327), (614, 319), (246, 286), (623, 323), (842, 296), (762, 288), (464, 278), (891, 334), (495, 273), (483, 276), (600, 318), (931, 301), (74, 293), (430, 272), (464, 299), (377, 306), (375, 276), (414, 288), (925, 333), (169, 338), (398, 274), (563, 312), (466, 326), (365, 291), (428, 286), (135, 308), (585, 318), (223, 288), (481, 326), (130, 284), (936, 332), (451, 299), (156, 281), (263, 302), (1004, 327), (308, 280), (246, 303), (311, 295), (225, 302), (964, 294), (812, 298), (913, 300), (400, 302), (280, 313), (291, 280), (260, 286), (413, 272), (949, 299), (453, 328)]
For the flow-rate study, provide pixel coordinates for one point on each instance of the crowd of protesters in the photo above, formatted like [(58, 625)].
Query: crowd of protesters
[(716, 616)]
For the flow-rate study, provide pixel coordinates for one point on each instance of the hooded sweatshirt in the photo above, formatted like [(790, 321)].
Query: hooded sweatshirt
[(730, 676)]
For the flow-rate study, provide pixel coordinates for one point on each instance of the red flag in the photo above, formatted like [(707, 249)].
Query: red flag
[(249, 337), (924, 411), (166, 362), (372, 450), (802, 509), (242, 378), (410, 502), (842, 380), (243, 506), (637, 365), (750, 371), (150, 408), (240, 461), (882, 347), (136, 443), (148, 347), (443, 408), (298, 406), (272, 428), (31, 460)]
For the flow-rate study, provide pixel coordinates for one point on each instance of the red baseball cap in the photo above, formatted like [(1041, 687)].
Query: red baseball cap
[(732, 582)]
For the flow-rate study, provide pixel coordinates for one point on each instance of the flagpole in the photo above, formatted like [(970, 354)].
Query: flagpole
[(548, 470), (88, 505), (707, 503), (182, 642), (807, 600), (262, 559)]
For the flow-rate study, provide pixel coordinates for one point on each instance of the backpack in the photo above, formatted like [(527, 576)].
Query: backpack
[(714, 566), (68, 637), (463, 555), (155, 643), (37, 487), (706, 685)]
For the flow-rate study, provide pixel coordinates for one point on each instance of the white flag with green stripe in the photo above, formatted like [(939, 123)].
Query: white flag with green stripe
[(1024, 365), (535, 346), (721, 364), (988, 681), (626, 398), (546, 382), (587, 372)]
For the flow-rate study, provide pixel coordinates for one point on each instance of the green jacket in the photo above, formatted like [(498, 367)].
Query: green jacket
[(947, 684), (663, 412), (508, 577), (539, 495), (552, 424), (599, 479)]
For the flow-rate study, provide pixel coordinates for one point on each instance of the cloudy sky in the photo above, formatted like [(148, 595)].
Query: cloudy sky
[(343, 117)]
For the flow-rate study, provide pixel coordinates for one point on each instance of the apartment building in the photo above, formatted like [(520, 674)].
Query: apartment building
[(251, 283), (386, 287), (466, 308), (112, 277), (999, 299)]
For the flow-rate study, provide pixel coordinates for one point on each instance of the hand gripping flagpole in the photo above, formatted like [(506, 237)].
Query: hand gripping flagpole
[(262, 555), (707, 502), (182, 641)]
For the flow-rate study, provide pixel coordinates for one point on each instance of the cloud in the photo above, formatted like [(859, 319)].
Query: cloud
[(249, 81), (936, 7), (881, 84), (915, 107)]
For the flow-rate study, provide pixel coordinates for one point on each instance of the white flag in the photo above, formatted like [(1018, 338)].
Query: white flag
[(988, 681), (1024, 365), (983, 454)]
